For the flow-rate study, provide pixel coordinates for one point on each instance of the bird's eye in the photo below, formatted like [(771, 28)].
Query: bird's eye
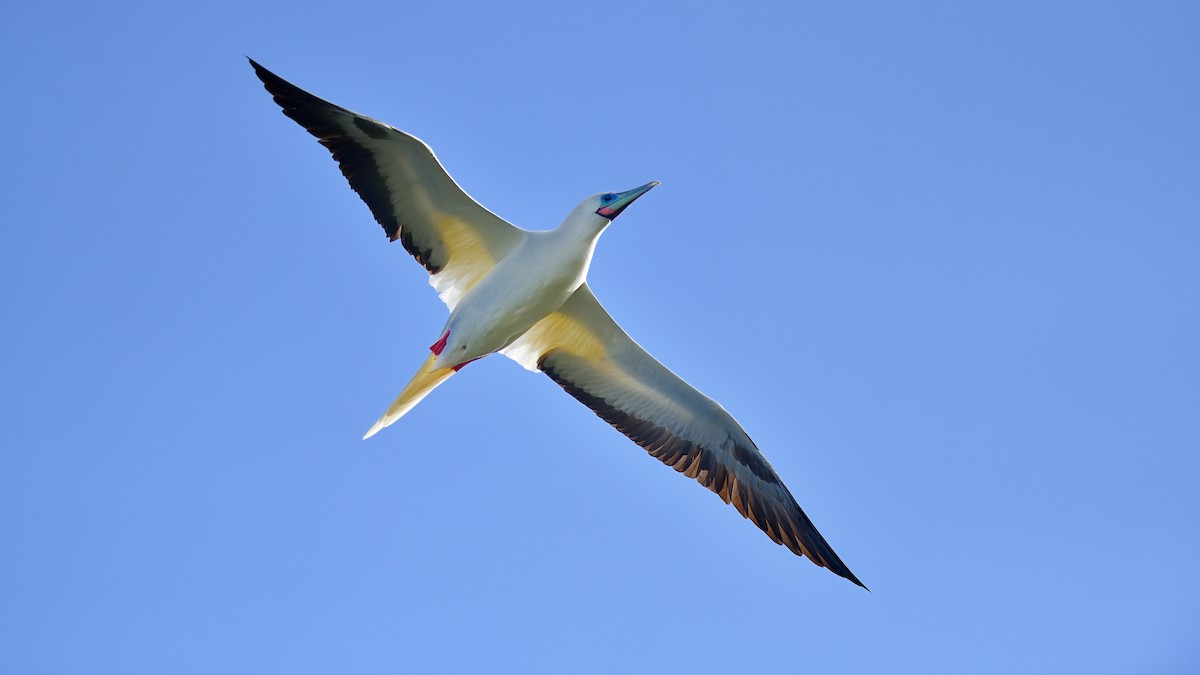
[(607, 198)]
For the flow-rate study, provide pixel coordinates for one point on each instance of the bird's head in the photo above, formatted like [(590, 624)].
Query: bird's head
[(600, 209), (609, 205)]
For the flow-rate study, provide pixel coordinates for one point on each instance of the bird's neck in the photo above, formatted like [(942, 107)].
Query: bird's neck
[(582, 225)]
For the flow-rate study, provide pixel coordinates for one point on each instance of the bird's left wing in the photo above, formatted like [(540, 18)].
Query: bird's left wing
[(407, 190), (585, 352)]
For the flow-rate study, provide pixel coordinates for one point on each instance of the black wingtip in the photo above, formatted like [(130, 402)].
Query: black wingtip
[(821, 553), (842, 571), (839, 568), (271, 80)]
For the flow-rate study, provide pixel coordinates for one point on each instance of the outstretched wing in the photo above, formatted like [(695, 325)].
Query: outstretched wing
[(586, 353), (407, 190)]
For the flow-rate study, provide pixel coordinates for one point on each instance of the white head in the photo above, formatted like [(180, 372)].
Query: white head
[(599, 210)]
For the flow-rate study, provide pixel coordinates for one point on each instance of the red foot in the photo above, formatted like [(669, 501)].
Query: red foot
[(464, 363), (438, 346)]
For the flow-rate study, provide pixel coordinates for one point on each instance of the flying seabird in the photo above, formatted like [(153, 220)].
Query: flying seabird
[(524, 294)]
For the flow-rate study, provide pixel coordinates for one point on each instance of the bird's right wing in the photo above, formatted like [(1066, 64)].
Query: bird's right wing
[(407, 190), (585, 352)]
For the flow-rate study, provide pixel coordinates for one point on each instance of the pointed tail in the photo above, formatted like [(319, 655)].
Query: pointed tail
[(425, 381)]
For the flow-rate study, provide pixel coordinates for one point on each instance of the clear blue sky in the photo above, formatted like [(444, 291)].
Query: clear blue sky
[(940, 259)]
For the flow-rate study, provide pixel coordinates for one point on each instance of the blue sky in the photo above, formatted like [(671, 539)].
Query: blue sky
[(938, 258)]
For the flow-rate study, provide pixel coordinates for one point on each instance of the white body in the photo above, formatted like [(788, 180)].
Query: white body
[(524, 287)]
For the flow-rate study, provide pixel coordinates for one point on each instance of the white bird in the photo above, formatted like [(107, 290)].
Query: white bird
[(524, 294)]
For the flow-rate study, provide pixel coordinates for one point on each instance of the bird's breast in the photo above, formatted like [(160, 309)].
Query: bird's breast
[(521, 290)]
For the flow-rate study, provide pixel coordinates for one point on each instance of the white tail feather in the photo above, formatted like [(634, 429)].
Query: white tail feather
[(426, 380)]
